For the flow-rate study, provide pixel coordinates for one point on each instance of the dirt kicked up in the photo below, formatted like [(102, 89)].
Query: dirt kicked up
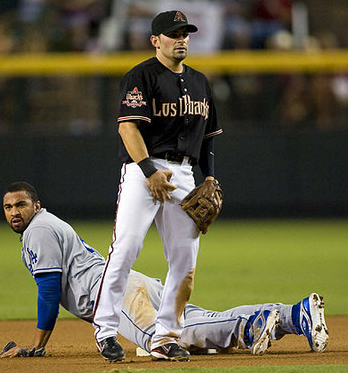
[(72, 349)]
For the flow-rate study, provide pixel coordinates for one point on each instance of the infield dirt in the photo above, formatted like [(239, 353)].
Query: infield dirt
[(71, 349)]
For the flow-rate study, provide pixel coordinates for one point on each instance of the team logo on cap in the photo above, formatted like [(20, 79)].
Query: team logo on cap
[(134, 99), (179, 17)]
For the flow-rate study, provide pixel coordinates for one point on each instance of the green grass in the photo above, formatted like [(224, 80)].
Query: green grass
[(240, 262), (266, 261), (255, 369)]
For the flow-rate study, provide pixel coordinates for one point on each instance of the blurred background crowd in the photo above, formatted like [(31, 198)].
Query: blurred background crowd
[(284, 147), (86, 105), (110, 25)]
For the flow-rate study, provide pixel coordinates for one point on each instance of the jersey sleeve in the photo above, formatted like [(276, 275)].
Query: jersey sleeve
[(42, 252), (212, 128), (135, 100)]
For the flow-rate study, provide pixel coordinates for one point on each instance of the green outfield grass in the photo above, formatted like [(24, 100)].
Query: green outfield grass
[(240, 262), (256, 369)]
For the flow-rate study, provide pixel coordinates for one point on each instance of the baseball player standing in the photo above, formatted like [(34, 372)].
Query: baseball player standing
[(167, 123)]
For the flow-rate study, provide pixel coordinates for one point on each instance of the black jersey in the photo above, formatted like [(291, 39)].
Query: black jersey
[(175, 111)]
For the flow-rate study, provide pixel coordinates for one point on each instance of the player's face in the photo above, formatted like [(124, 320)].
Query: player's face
[(174, 45), (19, 209)]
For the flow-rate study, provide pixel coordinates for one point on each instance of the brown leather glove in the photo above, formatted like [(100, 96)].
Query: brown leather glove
[(204, 204)]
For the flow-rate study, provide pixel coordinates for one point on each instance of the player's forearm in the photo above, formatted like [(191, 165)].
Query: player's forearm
[(41, 338), (133, 141), (206, 160)]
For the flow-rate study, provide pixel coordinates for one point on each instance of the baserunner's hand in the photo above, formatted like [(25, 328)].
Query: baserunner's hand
[(11, 352), (159, 185)]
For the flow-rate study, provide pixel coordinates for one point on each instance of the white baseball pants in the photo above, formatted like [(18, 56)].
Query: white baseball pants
[(202, 328), (136, 210)]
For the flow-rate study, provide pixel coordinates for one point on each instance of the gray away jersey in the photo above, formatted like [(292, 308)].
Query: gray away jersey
[(51, 245)]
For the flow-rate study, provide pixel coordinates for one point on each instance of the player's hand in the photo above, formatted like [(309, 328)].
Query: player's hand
[(159, 185), (13, 352)]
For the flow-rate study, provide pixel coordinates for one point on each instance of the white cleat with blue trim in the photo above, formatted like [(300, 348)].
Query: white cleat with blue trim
[(308, 317)]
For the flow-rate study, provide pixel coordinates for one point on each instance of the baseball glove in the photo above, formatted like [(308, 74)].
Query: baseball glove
[(204, 204), (24, 353)]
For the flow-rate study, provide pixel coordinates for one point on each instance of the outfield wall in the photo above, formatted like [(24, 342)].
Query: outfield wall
[(263, 174)]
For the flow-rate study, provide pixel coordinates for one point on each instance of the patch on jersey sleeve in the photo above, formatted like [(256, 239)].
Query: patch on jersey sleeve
[(32, 260), (134, 99)]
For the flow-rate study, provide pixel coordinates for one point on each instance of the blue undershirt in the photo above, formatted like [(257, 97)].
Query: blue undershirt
[(49, 292)]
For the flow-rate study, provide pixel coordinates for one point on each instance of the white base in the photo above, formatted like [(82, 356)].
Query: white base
[(140, 352)]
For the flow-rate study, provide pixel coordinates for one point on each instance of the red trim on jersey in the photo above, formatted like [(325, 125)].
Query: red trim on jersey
[(212, 134), (111, 251), (131, 118)]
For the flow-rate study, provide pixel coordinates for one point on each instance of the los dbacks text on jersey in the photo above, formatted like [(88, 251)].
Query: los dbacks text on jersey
[(186, 106), (175, 111)]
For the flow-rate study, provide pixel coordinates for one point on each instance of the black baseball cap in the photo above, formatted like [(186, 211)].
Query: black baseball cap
[(170, 21)]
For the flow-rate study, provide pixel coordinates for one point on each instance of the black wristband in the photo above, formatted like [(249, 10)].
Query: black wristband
[(147, 167)]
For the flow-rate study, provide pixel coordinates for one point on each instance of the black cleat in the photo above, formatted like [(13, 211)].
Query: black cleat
[(170, 351), (111, 349)]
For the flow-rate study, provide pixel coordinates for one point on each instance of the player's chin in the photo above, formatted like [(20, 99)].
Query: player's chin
[(180, 55), (19, 228)]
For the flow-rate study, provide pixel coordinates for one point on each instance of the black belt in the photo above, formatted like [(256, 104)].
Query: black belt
[(174, 157)]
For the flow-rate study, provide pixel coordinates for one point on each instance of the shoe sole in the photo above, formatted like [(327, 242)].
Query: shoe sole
[(319, 331), (158, 356), (262, 344), (118, 360)]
